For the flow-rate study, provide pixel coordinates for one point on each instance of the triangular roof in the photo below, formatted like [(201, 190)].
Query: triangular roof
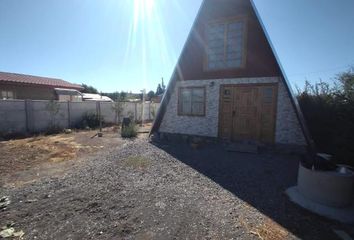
[(177, 72)]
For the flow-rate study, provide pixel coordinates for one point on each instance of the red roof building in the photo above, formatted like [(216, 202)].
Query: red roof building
[(21, 86)]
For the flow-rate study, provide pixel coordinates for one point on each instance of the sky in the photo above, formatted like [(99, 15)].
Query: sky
[(129, 45)]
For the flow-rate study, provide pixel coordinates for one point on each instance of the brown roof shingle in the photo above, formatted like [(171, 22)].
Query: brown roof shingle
[(6, 77)]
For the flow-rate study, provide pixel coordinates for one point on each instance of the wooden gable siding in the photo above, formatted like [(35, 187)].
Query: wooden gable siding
[(260, 61)]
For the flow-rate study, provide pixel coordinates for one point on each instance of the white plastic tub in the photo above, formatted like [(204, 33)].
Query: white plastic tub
[(330, 188)]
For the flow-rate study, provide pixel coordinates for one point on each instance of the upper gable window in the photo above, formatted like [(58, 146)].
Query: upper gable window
[(225, 45)]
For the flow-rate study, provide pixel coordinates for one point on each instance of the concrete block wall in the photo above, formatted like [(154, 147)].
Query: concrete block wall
[(21, 116), (288, 130), (12, 116)]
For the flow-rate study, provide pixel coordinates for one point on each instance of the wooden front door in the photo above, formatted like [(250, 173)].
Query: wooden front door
[(247, 112)]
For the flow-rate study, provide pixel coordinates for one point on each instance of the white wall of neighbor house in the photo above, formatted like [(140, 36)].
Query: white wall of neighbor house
[(288, 130)]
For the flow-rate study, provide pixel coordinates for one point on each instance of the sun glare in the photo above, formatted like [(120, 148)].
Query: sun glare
[(147, 38), (143, 9)]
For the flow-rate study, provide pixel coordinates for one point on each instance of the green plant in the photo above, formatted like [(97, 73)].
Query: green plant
[(89, 119), (329, 113), (129, 131), (53, 107), (118, 109)]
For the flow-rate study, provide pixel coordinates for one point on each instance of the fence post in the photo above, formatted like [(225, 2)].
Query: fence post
[(69, 117), (135, 112), (149, 110), (99, 114), (28, 114)]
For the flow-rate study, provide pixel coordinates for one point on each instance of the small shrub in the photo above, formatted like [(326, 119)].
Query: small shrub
[(91, 120), (130, 131), (54, 129)]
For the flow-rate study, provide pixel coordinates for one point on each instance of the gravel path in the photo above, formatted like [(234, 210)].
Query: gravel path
[(143, 191)]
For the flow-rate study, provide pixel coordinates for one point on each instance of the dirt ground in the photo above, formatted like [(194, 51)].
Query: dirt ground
[(134, 189), (27, 160)]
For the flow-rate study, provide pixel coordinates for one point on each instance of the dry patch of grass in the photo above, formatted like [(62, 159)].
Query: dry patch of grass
[(23, 154), (269, 230), (272, 231), (266, 230), (138, 162)]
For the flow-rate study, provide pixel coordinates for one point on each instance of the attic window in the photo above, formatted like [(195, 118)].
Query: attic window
[(225, 45), (191, 101)]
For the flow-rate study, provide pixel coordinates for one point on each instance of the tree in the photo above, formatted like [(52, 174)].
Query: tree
[(89, 89), (346, 83), (123, 96), (150, 95), (159, 90), (53, 108), (329, 114)]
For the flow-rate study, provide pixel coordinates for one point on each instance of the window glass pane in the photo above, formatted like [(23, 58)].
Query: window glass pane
[(10, 95), (198, 108), (225, 53), (198, 95), (186, 101), (198, 101), (234, 45), (215, 43), (192, 101), (267, 95), (3, 95)]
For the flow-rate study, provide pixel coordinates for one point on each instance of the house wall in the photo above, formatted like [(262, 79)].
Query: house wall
[(287, 131), (30, 92)]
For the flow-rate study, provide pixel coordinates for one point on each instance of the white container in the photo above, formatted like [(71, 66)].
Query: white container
[(330, 188)]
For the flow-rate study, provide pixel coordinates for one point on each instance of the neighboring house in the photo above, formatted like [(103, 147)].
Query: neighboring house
[(228, 83), (95, 97), (157, 99), (20, 86)]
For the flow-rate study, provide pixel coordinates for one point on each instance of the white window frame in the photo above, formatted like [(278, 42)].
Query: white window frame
[(192, 102)]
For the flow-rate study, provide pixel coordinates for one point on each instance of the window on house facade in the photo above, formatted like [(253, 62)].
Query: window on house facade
[(191, 101), (5, 94), (225, 45)]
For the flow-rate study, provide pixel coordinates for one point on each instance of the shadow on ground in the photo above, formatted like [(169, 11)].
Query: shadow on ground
[(258, 179)]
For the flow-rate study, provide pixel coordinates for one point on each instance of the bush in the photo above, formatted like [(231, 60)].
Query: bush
[(329, 114), (130, 131), (91, 120)]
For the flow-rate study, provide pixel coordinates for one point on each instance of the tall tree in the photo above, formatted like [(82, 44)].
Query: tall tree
[(150, 95), (346, 80), (159, 90)]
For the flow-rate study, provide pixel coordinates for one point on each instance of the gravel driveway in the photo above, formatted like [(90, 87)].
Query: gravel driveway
[(143, 191)]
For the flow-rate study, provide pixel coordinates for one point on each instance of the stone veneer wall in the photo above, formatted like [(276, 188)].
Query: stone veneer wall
[(288, 130)]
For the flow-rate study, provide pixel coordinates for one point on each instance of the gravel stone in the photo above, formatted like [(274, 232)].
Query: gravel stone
[(177, 193)]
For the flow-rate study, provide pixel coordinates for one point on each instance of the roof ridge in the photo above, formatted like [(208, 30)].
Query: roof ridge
[(30, 75)]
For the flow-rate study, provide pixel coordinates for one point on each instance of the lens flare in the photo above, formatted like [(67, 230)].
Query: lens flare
[(147, 38)]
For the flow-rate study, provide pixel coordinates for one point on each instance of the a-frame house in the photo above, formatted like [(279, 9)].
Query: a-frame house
[(228, 83)]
